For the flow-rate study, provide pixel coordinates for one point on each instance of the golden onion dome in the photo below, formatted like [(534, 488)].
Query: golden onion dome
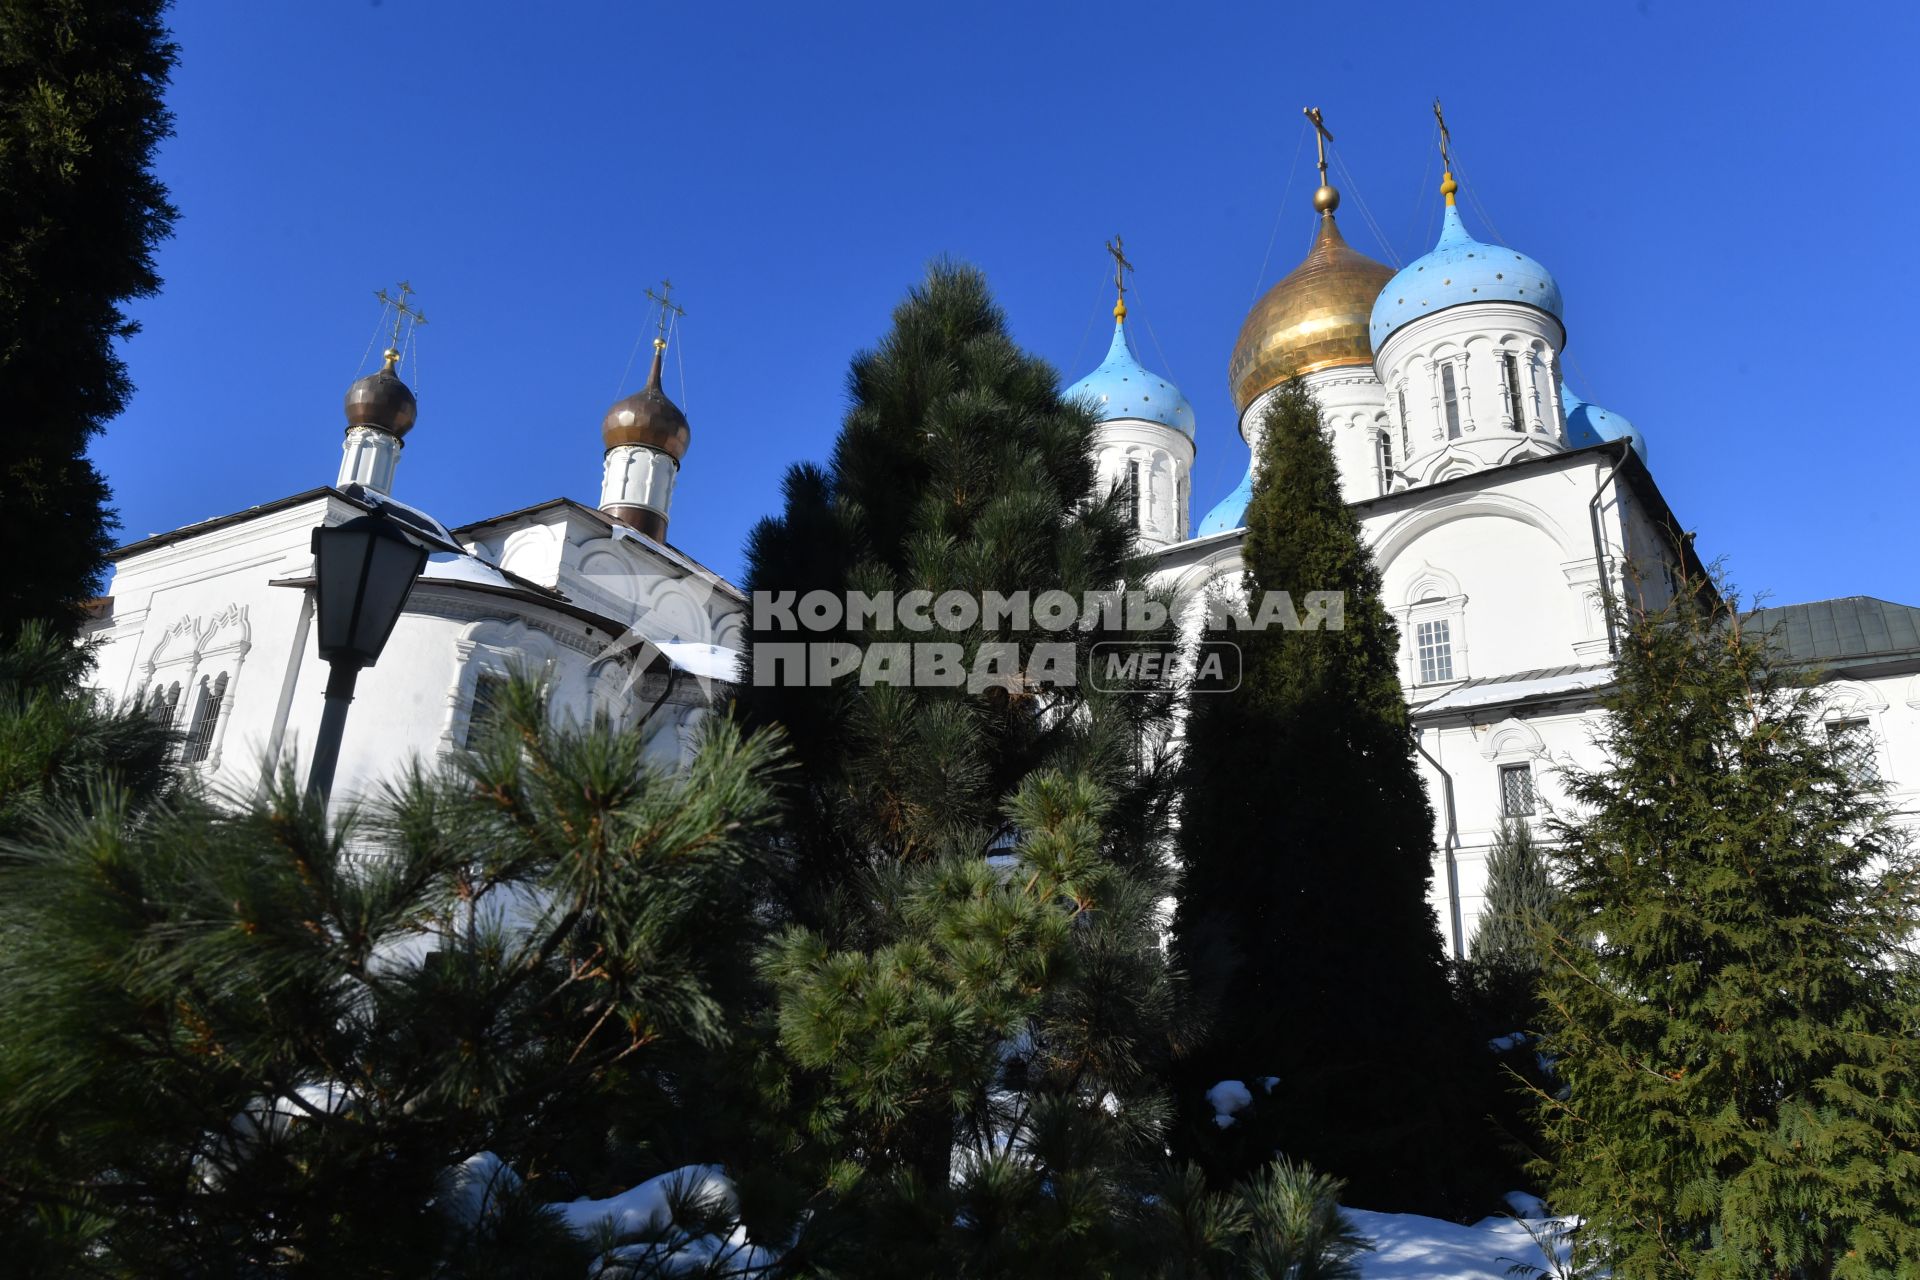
[(380, 400), (648, 418), (1315, 318)]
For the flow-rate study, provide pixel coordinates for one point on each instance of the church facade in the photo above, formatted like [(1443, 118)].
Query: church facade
[(1500, 506), (1501, 509)]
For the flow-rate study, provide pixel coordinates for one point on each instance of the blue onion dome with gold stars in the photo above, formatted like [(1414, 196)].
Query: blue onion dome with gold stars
[(1123, 388), (1589, 424), (1460, 270), (1231, 513)]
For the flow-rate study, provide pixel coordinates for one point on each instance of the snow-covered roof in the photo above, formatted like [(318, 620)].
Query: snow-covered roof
[(1521, 686)]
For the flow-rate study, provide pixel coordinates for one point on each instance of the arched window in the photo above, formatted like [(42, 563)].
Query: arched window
[(165, 701), (205, 716), (1511, 367), (1383, 448), (1406, 429), (1450, 399), (1133, 494)]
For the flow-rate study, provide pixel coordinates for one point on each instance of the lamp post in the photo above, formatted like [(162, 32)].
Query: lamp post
[(363, 571)]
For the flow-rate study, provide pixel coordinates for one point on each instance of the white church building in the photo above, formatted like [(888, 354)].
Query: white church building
[(1497, 504)]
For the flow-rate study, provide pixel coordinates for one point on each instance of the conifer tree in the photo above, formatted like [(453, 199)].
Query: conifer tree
[(973, 1011), (80, 213), (240, 1041), (1519, 898), (1730, 990), (1307, 841)]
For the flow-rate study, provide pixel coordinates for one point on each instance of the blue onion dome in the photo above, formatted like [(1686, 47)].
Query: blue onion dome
[(1122, 388), (1231, 512), (1589, 424), (1460, 269)]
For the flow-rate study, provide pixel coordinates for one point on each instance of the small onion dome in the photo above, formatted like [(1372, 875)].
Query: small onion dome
[(648, 418), (380, 400), (1315, 318), (1460, 270), (1589, 424), (1122, 388), (1231, 512)]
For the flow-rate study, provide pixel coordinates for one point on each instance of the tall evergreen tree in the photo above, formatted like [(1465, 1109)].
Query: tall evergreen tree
[(1730, 996), (80, 214), (1307, 844), (973, 1011)]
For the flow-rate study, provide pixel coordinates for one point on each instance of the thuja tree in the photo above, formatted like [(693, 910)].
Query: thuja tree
[(81, 113), (1730, 990), (241, 1040), (1307, 843), (973, 1011)]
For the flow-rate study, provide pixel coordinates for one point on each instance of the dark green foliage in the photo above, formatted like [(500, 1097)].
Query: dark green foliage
[(973, 1013), (80, 215), (1307, 843), (233, 1041), (1283, 1223), (1730, 994), (57, 744), (958, 468), (1519, 898)]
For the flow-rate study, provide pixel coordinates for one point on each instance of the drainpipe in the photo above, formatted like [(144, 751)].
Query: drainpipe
[(1600, 548), (1450, 846)]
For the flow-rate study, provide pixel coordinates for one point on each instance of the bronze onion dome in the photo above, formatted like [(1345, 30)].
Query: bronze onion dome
[(381, 401), (648, 418)]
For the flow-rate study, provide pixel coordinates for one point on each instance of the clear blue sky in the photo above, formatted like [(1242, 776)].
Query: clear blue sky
[(1726, 195)]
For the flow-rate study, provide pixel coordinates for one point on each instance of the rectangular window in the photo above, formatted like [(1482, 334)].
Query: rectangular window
[(1433, 646), (487, 690), (1516, 790), (1514, 399), (1384, 447), (1851, 742), (1450, 398), (1406, 428), (1133, 494), (205, 717)]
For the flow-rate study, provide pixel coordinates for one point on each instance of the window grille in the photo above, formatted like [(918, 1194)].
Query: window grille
[(206, 715), (1514, 406), (1133, 494), (1516, 790), (1384, 443), (1433, 645), (488, 688), (1406, 429), (1450, 394), (1851, 743)]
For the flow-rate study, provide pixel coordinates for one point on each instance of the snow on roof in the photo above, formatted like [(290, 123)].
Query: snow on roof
[(1520, 687), (448, 567), (708, 661)]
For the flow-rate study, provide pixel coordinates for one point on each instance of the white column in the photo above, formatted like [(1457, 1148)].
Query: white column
[(369, 458)]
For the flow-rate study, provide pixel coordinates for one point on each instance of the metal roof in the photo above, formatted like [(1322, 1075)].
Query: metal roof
[(1849, 627)]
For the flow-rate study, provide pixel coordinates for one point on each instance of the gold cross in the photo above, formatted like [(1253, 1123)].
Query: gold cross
[(403, 315), (1120, 265), (668, 309), (1321, 138), (1446, 139)]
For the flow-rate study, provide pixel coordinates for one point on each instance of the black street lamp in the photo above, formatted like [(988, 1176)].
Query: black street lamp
[(363, 571)]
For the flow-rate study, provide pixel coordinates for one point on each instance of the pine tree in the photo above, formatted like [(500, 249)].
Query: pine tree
[(1731, 992), (1307, 845), (237, 1040), (57, 746), (80, 213), (972, 1008)]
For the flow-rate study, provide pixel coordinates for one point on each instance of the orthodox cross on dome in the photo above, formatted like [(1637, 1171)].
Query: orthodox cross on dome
[(405, 316), (1120, 268), (1447, 185), (669, 312), (1326, 199)]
